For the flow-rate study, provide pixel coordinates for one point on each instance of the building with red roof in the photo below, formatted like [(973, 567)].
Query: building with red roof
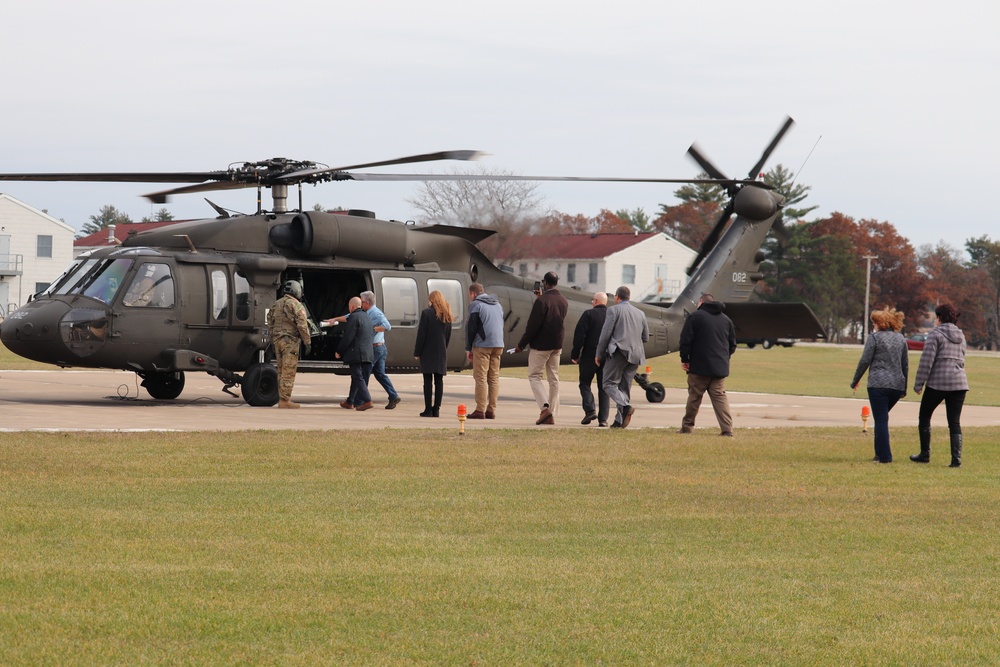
[(651, 264), (113, 235)]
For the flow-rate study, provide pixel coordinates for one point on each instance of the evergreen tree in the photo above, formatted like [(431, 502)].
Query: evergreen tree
[(109, 215)]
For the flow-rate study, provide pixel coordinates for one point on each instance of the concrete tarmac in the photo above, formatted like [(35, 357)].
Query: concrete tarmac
[(84, 400)]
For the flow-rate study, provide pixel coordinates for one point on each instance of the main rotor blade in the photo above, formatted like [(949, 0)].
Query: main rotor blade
[(774, 144), (163, 196), (706, 164), (510, 177), (425, 157), (121, 177)]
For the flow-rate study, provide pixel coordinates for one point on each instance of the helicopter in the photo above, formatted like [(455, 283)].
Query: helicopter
[(193, 296)]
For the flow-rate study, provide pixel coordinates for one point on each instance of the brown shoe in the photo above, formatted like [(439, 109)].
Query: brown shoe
[(684, 430), (346, 405), (478, 414), (282, 403), (627, 416), (365, 406), (545, 417), (490, 414)]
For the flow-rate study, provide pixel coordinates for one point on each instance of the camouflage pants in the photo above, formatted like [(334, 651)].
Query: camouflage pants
[(286, 352)]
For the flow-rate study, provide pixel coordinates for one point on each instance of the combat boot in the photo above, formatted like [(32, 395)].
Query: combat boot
[(956, 450), (282, 403), (925, 447)]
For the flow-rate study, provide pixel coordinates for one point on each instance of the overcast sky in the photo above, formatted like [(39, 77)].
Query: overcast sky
[(903, 97)]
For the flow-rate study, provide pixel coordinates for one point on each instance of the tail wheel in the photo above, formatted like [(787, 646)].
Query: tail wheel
[(164, 386), (655, 393), (260, 385)]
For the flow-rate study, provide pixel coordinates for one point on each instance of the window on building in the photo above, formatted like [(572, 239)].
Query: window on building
[(571, 273), (43, 246), (522, 270), (592, 273), (40, 287), (628, 274)]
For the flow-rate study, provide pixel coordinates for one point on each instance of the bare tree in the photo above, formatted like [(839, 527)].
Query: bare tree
[(479, 203)]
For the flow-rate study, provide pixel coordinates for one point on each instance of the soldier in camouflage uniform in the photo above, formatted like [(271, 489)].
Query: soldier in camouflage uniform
[(289, 329)]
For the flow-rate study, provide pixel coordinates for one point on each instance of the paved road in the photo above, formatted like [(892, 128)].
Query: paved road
[(71, 400)]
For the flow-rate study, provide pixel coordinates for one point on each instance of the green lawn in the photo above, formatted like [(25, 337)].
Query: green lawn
[(781, 546)]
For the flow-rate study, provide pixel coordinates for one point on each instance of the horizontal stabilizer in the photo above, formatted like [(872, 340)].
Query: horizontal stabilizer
[(774, 320), (470, 234)]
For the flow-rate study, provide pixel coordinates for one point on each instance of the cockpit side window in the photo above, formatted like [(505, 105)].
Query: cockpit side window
[(152, 287)]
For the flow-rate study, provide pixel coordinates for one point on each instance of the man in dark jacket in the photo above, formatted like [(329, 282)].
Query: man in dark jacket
[(585, 338), (708, 339), (356, 350), (544, 334)]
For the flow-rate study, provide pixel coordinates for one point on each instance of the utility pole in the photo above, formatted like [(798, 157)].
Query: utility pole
[(868, 288)]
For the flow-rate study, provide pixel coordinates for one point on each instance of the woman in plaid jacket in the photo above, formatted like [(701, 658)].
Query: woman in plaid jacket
[(942, 370)]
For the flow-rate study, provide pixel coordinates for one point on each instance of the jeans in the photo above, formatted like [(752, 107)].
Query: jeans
[(882, 401), (378, 370)]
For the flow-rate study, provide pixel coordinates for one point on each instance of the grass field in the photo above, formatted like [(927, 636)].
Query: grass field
[(512, 547), (778, 547)]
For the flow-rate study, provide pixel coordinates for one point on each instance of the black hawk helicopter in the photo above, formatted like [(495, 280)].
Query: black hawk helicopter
[(193, 296)]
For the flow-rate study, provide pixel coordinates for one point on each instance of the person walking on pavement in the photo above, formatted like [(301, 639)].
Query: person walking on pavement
[(620, 351), (585, 338), (708, 339), (543, 334), (356, 350), (483, 347), (431, 350), (941, 377), (289, 331), (380, 324)]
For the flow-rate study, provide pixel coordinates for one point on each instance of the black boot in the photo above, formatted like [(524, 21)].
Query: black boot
[(956, 450), (925, 446), (428, 411), (436, 411)]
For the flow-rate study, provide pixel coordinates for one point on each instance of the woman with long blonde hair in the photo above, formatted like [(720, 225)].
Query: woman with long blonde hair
[(431, 350), (886, 359)]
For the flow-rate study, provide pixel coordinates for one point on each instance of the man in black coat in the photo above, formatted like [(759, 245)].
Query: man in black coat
[(585, 337), (708, 339), (356, 350)]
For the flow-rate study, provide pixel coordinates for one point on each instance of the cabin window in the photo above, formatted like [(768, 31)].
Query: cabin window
[(43, 246), (152, 287), (105, 280), (628, 274), (399, 301), (242, 297), (592, 273), (452, 292), (220, 295)]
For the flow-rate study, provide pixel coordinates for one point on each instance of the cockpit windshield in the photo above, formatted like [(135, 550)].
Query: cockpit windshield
[(98, 279)]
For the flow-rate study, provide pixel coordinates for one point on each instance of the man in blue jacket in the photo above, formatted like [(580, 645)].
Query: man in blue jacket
[(483, 347), (708, 339)]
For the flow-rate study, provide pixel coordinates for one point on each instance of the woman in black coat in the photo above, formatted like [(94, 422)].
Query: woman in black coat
[(431, 349)]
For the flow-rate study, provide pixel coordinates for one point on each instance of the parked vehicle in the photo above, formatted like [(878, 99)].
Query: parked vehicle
[(766, 343), (916, 341)]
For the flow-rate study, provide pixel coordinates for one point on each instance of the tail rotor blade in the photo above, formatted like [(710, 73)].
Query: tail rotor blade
[(770, 149)]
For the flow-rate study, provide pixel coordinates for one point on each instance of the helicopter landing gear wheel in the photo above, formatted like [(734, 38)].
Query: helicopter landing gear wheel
[(164, 386), (260, 385), (655, 393)]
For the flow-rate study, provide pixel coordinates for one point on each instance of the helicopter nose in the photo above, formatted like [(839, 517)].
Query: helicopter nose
[(34, 330)]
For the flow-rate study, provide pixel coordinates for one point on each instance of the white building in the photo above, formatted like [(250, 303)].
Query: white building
[(35, 249), (651, 264)]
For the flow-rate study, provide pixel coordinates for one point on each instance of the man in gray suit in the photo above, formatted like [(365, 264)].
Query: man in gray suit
[(620, 351)]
